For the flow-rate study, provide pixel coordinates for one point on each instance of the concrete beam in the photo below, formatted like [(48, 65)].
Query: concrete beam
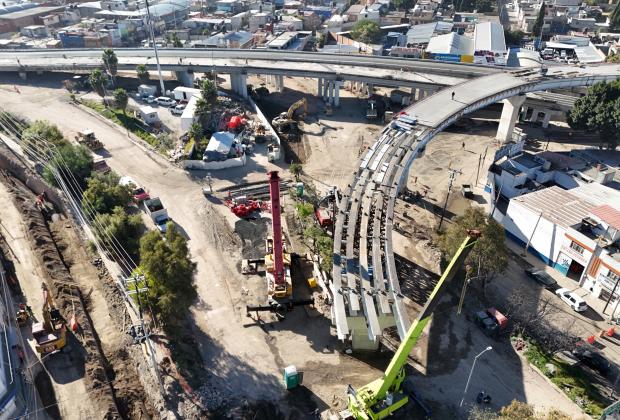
[(510, 112)]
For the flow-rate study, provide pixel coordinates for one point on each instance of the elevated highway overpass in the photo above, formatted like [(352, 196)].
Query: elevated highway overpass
[(330, 69), (365, 286)]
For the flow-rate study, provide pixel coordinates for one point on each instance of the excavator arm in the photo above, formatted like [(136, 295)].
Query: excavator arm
[(302, 103), (383, 396)]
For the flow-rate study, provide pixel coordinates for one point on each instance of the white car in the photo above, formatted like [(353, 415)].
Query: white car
[(165, 101), (150, 99), (178, 110), (572, 299)]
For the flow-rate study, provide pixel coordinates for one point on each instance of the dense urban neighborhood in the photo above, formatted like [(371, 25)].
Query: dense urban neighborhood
[(310, 209)]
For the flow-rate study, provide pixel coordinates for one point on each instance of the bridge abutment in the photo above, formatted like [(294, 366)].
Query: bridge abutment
[(507, 121)]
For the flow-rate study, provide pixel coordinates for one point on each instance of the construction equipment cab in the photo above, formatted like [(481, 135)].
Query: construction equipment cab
[(51, 334)]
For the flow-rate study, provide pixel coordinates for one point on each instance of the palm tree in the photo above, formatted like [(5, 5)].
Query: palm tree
[(97, 82), (143, 73), (208, 91), (121, 99), (110, 61)]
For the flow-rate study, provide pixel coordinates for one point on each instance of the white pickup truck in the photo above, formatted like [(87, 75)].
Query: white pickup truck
[(159, 215)]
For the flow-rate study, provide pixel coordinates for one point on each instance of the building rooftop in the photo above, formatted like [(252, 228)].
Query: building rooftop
[(561, 160), (557, 205), (528, 160), (608, 214), (451, 43), (489, 36), (30, 12), (422, 34), (597, 194)]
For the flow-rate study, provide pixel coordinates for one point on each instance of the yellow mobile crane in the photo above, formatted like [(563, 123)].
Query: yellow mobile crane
[(382, 397)]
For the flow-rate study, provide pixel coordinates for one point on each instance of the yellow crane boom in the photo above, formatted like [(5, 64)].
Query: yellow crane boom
[(382, 397)]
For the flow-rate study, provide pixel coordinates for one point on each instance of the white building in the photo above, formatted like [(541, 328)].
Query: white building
[(489, 44), (577, 232)]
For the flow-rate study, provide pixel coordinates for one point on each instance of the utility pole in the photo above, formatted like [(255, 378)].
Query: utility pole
[(152, 33), (478, 170), (611, 295), (453, 173)]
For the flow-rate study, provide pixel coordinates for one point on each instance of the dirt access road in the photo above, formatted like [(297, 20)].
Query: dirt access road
[(243, 360)]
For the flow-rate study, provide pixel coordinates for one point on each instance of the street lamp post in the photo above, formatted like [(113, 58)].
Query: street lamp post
[(152, 33), (471, 372)]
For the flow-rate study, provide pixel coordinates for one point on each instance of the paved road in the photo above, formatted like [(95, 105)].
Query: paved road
[(384, 71)]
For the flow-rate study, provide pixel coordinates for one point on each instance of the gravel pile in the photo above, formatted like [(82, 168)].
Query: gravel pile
[(209, 397), (253, 234)]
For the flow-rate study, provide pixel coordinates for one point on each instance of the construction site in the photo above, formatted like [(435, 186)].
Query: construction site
[(314, 297)]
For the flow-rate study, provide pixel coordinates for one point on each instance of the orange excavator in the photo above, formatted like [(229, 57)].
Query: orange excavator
[(51, 334)]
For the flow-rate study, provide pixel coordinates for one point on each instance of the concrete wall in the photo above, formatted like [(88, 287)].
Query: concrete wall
[(214, 165)]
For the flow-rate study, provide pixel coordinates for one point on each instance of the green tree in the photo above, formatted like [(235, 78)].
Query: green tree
[(320, 244), (77, 160), (599, 110), (614, 18), (483, 6), (121, 99), (176, 41), (143, 73), (296, 170), (104, 193), (170, 273), (97, 81), (110, 61), (366, 31), (40, 135), (208, 91), (613, 58), (540, 20), (126, 229), (489, 254), (513, 37), (195, 132), (304, 210)]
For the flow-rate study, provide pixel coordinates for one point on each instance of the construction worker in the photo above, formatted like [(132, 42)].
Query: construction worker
[(452, 95)]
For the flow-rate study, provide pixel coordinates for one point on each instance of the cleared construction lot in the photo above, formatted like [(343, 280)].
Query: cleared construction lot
[(244, 357)]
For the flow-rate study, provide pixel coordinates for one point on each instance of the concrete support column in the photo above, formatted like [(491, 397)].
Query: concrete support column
[(278, 80), (510, 112), (337, 94), (326, 89), (319, 90), (23, 75), (371, 88), (239, 84), (546, 119), (186, 78)]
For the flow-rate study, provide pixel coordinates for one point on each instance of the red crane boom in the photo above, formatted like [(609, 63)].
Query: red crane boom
[(278, 257)]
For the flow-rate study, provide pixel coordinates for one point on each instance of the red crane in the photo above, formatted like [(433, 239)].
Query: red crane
[(279, 274)]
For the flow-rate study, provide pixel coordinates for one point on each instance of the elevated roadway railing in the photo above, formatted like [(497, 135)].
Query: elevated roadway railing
[(382, 173), (383, 71)]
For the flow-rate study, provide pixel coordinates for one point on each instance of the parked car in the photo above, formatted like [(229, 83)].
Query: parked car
[(166, 101), (572, 299), (150, 99), (590, 356), (178, 110), (467, 191), (138, 193), (492, 322), (543, 279)]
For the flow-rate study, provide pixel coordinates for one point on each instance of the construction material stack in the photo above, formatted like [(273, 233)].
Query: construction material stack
[(277, 261)]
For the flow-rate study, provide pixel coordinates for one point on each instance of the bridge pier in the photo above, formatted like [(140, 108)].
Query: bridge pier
[(320, 87), (279, 82), (185, 77), (507, 121), (239, 84), (23, 75)]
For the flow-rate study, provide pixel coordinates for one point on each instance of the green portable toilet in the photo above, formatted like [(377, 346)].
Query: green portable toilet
[(300, 189), (291, 377)]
